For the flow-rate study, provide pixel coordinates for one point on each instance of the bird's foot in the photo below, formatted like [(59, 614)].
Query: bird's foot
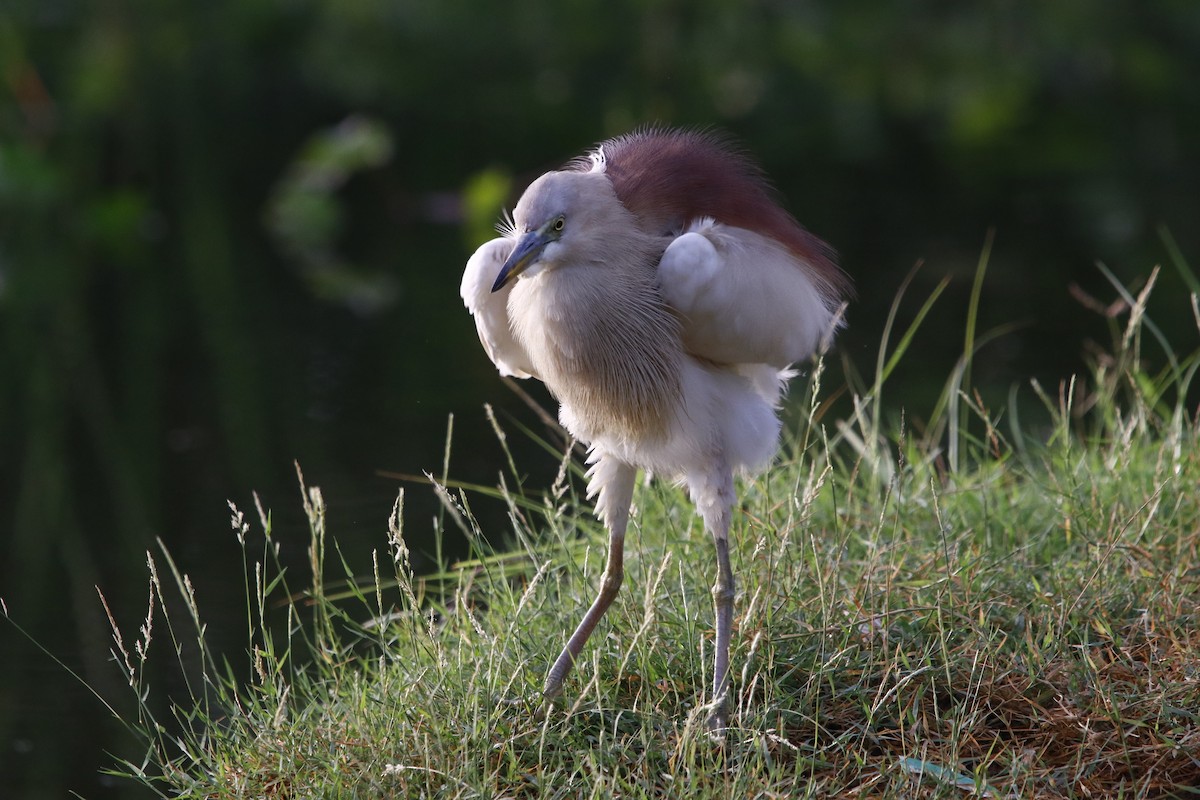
[(718, 718), (550, 693)]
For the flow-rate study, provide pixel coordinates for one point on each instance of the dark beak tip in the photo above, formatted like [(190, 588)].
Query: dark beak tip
[(500, 281), (524, 253)]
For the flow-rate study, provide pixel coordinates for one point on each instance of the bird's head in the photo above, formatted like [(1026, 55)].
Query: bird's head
[(558, 220)]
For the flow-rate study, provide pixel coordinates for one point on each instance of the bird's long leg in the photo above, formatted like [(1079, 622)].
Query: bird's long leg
[(723, 601), (713, 495), (614, 482)]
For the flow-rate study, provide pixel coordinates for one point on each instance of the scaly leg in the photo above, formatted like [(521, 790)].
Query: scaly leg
[(723, 601), (614, 482), (713, 496)]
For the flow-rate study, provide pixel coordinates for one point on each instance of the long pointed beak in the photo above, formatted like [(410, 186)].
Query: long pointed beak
[(529, 246)]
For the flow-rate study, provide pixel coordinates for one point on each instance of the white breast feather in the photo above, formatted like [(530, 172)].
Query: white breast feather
[(490, 309)]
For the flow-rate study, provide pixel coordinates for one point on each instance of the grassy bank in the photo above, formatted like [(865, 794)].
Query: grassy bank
[(973, 607)]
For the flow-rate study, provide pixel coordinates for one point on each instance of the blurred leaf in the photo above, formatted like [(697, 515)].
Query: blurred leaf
[(28, 179), (306, 218), (119, 222), (484, 197)]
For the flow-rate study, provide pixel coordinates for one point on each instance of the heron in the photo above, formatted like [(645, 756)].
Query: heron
[(662, 294)]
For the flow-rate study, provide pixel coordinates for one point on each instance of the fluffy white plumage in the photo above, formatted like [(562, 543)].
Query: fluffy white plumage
[(746, 310), (491, 310), (665, 332)]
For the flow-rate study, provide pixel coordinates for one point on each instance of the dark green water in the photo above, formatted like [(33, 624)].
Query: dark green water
[(195, 292)]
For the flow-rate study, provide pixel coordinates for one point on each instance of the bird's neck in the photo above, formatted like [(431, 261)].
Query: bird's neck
[(605, 344)]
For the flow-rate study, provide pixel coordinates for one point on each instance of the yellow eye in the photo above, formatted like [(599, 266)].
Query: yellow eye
[(558, 224)]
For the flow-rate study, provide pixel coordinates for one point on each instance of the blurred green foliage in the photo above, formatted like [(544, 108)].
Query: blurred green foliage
[(306, 215), (231, 233)]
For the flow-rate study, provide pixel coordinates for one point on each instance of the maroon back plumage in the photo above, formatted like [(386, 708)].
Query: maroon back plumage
[(669, 178)]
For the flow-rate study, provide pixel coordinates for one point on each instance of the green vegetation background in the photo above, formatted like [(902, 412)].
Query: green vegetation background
[(231, 235)]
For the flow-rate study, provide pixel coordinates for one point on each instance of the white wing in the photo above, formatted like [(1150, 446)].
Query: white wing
[(490, 309), (743, 298)]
